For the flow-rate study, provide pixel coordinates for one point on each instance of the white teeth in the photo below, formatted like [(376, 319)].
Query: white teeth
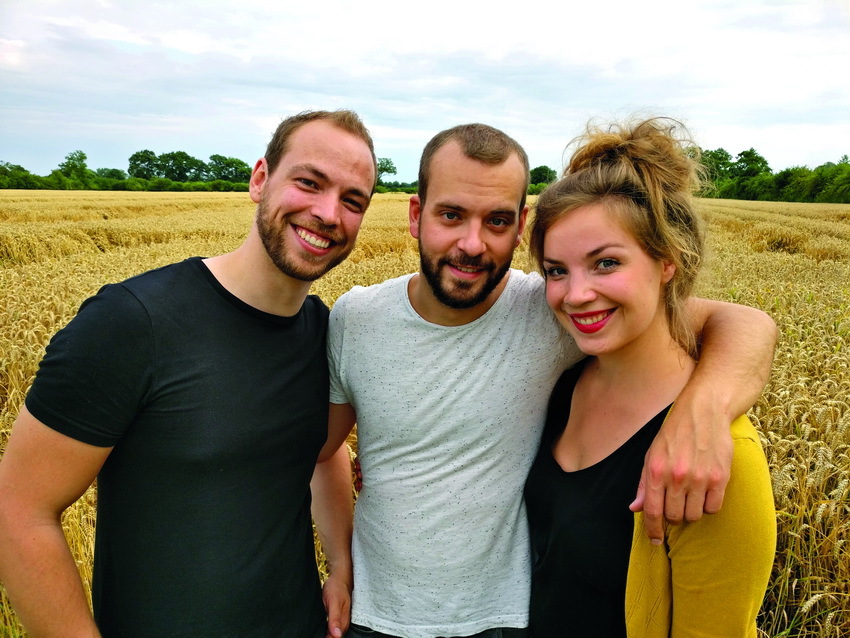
[(587, 321), (313, 240), (470, 270)]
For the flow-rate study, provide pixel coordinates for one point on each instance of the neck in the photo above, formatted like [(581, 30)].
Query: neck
[(654, 361), (432, 310), (249, 274)]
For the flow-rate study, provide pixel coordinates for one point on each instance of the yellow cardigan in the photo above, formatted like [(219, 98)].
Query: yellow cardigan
[(709, 577)]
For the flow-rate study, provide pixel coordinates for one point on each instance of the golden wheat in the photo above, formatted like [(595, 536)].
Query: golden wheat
[(791, 260)]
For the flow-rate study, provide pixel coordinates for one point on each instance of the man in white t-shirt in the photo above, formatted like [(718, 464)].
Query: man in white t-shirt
[(447, 373)]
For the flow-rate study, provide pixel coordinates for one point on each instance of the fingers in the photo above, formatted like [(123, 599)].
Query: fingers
[(650, 498), (336, 626), (692, 505), (714, 499), (337, 599), (640, 497)]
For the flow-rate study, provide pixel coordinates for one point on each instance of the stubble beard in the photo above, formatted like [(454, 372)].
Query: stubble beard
[(463, 294), (309, 267)]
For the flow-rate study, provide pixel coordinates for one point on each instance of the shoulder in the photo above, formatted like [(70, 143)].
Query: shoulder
[(743, 430), (166, 278), (750, 473), (526, 290), (526, 282), (313, 305), (367, 298)]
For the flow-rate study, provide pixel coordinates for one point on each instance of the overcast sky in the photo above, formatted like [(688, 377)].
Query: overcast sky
[(113, 77)]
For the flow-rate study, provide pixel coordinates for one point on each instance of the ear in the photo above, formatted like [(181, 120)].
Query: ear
[(523, 216), (259, 176), (414, 214), (668, 269)]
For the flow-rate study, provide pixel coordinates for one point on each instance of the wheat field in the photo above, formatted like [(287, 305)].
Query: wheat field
[(790, 260)]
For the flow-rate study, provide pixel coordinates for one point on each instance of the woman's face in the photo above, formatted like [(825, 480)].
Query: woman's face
[(600, 283)]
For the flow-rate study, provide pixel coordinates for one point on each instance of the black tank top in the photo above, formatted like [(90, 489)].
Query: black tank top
[(581, 529)]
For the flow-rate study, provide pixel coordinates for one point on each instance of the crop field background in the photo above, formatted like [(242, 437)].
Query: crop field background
[(790, 260)]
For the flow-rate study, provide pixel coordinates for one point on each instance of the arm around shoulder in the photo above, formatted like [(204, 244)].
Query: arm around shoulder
[(687, 467), (737, 344)]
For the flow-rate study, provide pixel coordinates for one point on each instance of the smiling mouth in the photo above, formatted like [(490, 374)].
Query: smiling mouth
[(314, 240), (589, 320)]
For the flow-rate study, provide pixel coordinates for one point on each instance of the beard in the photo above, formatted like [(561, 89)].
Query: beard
[(306, 266), (461, 294)]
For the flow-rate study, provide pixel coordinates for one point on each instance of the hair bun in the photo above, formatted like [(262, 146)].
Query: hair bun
[(659, 150)]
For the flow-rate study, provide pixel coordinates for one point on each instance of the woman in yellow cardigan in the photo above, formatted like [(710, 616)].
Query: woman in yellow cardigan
[(620, 244)]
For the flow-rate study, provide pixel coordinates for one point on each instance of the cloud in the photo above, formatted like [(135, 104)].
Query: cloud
[(112, 77)]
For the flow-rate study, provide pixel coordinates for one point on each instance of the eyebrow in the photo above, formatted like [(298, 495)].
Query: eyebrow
[(602, 248), (592, 253), (463, 209)]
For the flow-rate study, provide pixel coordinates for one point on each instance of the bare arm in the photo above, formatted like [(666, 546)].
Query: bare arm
[(687, 467), (43, 472), (333, 514)]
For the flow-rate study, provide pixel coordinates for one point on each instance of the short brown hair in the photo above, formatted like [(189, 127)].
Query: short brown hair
[(646, 173), (344, 119), (478, 142)]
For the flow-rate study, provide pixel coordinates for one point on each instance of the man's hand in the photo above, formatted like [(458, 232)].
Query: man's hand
[(336, 594), (686, 470), (687, 467)]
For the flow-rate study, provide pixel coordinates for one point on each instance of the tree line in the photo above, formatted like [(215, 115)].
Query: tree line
[(748, 176), (745, 176), (146, 171)]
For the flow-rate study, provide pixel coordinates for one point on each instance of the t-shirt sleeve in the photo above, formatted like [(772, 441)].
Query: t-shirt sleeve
[(97, 370), (336, 334)]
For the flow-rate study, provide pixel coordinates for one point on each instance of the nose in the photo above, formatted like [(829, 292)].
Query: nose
[(472, 243), (579, 290), (327, 209)]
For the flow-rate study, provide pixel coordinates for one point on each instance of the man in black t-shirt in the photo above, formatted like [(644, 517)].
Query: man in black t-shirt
[(197, 395)]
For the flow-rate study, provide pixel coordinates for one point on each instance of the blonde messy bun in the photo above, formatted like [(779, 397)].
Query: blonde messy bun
[(647, 172)]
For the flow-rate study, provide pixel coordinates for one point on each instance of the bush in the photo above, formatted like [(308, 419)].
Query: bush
[(136, 184)]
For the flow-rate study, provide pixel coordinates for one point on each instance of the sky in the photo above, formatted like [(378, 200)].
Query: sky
[(113, 77)]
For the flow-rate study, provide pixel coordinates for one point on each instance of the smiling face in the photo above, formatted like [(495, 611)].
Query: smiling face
[(600, 283), (468, 228), (310, 208)]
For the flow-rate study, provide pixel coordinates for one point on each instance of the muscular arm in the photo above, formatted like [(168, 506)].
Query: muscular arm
[(43, 472), (687, 467), (333, 514)]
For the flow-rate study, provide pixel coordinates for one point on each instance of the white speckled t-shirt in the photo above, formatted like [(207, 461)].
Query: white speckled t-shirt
[(448, 419)]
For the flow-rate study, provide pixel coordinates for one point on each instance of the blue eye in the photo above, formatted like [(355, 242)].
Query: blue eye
[(608, 263), (555, 271)]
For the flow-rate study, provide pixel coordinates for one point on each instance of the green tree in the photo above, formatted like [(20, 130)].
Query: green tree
[(385, 167), (75, 170), (179, 166), (144, 165), (15, 176), (749, 164), (229, 169), (542, 175), (790, 183), (111, 173), (718, 163)]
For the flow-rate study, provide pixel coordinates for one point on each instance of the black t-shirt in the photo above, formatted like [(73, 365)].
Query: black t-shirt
[(217, 412), (581, 529)]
